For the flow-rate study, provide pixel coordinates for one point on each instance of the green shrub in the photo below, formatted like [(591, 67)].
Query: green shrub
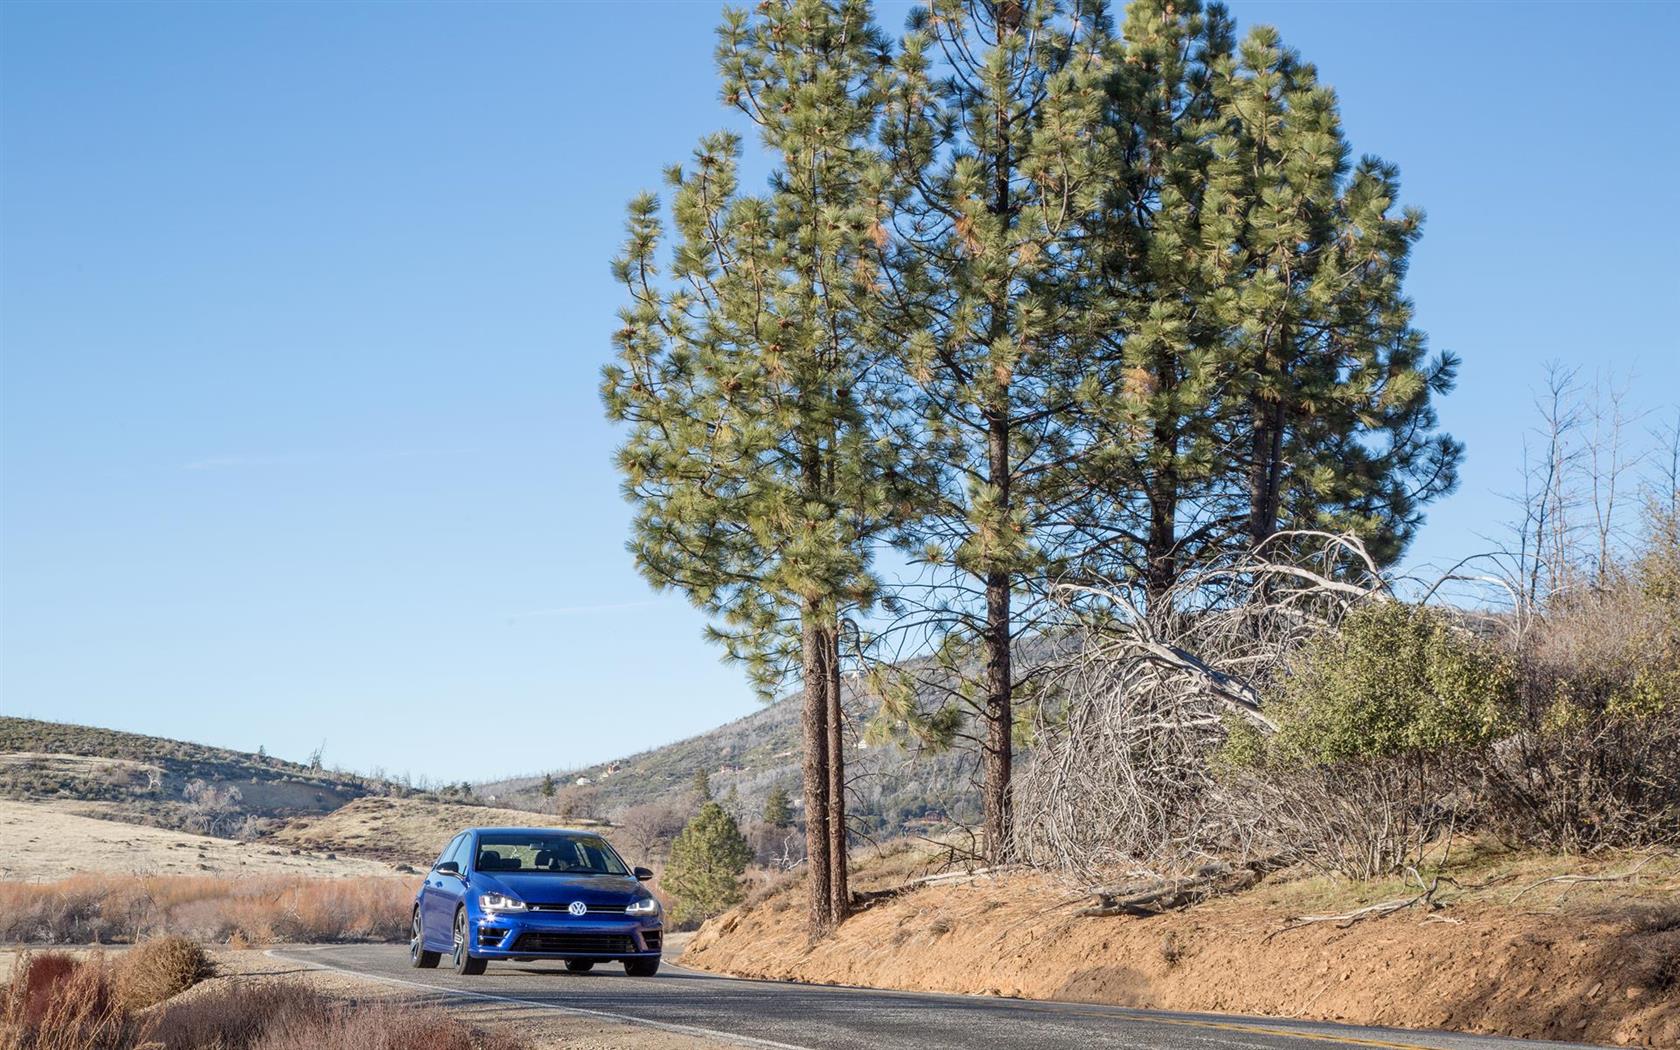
[(707, 862), (1378, 723), (1395, 680)]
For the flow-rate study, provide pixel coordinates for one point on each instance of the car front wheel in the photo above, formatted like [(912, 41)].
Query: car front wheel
[(641, 967), (465, 964), (418, 956)]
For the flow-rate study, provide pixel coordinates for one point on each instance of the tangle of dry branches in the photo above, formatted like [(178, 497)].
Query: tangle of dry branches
[(1122, 779)]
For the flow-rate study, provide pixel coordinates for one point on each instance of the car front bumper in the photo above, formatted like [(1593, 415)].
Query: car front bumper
[(527, 935)]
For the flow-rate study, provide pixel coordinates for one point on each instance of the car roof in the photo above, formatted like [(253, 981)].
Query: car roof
[(538, 831)]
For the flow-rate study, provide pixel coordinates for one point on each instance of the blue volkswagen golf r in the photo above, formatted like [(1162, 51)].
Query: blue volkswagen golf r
[(535, 893)]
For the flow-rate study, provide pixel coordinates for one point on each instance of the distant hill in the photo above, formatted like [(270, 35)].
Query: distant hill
[(401, 830), (169, 783), (64, 761), (893, 792)]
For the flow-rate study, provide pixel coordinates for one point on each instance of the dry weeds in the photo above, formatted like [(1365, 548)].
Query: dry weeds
[(100, 909)]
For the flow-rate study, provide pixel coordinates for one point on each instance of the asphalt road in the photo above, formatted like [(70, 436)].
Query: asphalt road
[(819, 1017)]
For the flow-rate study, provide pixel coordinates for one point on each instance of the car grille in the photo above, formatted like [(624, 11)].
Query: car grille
[(651, 938), (489, 937), (595, 943), (594, 909)]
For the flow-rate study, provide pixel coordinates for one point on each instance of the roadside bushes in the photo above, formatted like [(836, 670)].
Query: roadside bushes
[(1594, 760), (1377, 723), (56, 1002), (87, 909), (1560, 732), (1393, 681), (1299, 711)]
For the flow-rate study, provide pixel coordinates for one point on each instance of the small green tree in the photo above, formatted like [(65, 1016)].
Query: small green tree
[(777, 812), (702, 785), (707, 862), (548, 785)]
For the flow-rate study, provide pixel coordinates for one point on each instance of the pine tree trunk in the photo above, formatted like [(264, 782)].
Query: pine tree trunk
[(1000, 717), (814, 719), (1265, 471), (1161, 551), (839, 893)]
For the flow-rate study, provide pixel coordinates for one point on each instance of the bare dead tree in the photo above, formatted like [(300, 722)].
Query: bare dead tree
[(1663, 491), (1608, 459)]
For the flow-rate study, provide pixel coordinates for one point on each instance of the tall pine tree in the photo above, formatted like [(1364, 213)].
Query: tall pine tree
[(991, 131), (744, 376), (1149, 405), (1258, 369), (1331, 388)]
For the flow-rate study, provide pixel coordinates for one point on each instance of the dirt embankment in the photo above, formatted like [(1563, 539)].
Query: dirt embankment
[(1606, 971)]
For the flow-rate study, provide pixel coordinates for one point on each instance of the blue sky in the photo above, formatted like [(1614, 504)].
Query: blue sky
[(302, 308)]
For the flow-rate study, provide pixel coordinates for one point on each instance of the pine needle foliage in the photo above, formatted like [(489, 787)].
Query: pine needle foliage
[(748, 374), (707, 862)]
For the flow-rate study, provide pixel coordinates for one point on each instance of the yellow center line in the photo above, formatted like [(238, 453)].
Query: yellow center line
[(1256, 1029)]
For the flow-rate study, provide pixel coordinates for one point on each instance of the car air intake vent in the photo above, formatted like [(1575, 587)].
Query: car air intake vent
[(586, 943)]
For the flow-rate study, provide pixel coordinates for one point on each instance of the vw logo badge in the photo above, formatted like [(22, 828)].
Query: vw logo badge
[(578, 908)]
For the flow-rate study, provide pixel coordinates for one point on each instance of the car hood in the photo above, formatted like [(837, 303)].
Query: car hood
[(554, 888)]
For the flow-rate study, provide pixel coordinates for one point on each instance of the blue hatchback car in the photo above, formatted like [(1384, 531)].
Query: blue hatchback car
[(535, 893)]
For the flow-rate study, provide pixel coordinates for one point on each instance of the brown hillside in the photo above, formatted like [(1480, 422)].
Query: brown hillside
[(403, 830)]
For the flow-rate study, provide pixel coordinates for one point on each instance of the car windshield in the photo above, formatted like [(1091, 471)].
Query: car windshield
[(540, 851)]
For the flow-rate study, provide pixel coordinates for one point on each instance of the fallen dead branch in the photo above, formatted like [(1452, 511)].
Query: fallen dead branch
[(862, 899), (1158, 895), (1425, 899), (1575, 879)]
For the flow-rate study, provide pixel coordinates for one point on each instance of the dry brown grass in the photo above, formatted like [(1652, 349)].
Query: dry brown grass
[(101, 842), (160, 969), (109, 909), (283, 1016), (55, 1002)]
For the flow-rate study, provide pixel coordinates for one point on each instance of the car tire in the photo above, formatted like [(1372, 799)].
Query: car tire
[(641, 967), (465, 963), (418, 956), (580, 965)]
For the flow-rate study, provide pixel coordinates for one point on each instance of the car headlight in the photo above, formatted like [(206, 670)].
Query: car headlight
[(644, 906), (500, 902)]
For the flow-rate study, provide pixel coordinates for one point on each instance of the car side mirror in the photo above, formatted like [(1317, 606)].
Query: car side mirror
[(643, 874), (449, 867)]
